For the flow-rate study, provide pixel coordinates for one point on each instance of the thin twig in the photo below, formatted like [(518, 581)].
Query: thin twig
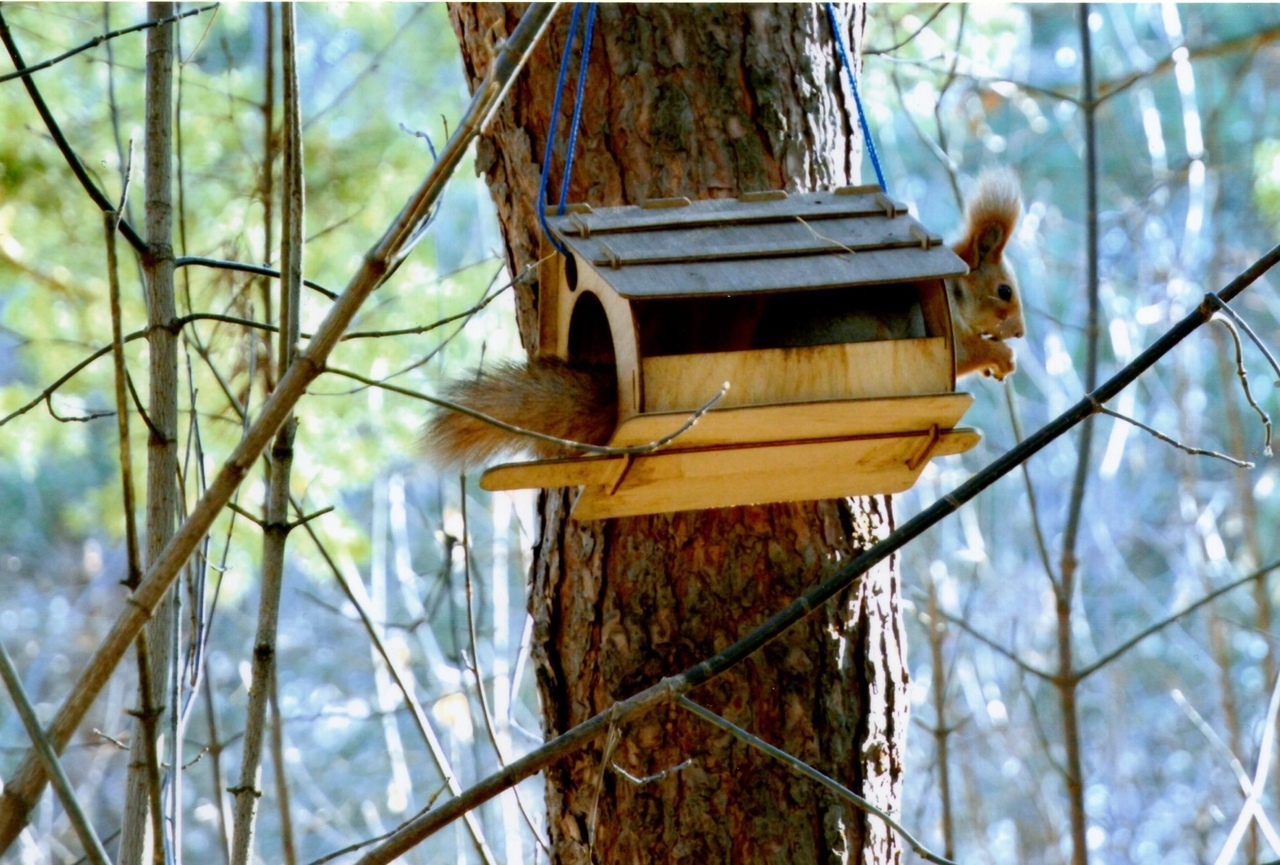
[(1037, 526), (93, 849), (111, 222), (73, 161), (1009, 654), (244, 267), (1231, 321), (1064, 593), (351, 848), (488, 298), (1085, 672), (543, 437), (1248, 45), (1237, 768), (1200, 452), (98, 40), (651, 779), (1251, 803), (473, 663), (404, 683), (907, 41), (606, 759), (375, 62), (810, 772), (175, 326)]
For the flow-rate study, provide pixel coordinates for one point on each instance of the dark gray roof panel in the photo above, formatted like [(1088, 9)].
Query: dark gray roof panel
[(726, 246), (685, 278)]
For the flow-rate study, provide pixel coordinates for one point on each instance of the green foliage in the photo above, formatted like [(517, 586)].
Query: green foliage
[(1266, 160)]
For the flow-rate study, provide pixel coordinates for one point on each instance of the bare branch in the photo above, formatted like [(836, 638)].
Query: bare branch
[(23, 788), (1231, 321), (938, 10), (650, 779), (93, 849), (1200, 452), (473, 662), (1251, 803), (1156, 627), (242, 267), (808, 771), (73, 161), (1009, 654), (98, 40), (512, 428)]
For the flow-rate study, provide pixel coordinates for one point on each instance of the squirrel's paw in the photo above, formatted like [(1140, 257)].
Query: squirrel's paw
[(991, 357)]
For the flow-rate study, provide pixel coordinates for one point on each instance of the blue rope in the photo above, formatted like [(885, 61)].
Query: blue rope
[(551, 137), (577, 105), (573, 130), (862, 117)]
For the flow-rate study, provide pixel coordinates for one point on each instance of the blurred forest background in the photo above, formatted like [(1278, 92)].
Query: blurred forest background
[(1170, 728)]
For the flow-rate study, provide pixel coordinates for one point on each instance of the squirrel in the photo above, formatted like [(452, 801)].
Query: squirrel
[(578, 402), (985, 305)]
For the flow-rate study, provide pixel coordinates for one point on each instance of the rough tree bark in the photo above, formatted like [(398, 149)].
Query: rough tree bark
[(702, 101)]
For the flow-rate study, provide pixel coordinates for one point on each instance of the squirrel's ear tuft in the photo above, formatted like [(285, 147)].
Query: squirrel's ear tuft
[(990, 216)]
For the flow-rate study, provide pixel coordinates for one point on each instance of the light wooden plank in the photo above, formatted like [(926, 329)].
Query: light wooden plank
[(725, 477), (795, 421), (863, 370), (622, 332), (549, 474), (688, 480)]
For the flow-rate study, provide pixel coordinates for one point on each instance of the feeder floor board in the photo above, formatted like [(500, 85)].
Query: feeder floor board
[(831, 419), (698, 478)]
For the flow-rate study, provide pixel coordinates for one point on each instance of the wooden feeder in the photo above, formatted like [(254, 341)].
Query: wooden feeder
[(826, 312)]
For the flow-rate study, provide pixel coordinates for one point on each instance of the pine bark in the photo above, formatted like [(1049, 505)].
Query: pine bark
[(702, 101)]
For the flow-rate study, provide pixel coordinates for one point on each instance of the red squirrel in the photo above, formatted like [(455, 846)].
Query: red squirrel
[(579, 403)]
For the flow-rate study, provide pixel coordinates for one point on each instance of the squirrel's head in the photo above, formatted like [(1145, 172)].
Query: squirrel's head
[(985, 301)]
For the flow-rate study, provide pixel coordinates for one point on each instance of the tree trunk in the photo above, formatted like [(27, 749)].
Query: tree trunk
[(702, 101), (138, 840)]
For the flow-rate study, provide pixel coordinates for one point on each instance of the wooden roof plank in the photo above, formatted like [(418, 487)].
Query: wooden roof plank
[(721, 211), (770, 275), (794, 237)]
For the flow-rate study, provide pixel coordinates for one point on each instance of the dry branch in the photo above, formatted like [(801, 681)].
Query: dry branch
[(155, 649), (809, 772), (275, 528), (93, 850), (24, 787), (99, 39)]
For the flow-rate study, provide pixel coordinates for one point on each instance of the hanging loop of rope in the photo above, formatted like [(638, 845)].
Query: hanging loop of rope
[(573, 124), (857, 99)]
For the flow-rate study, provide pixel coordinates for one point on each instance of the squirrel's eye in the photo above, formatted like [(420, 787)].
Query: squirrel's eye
[(1005, 292)]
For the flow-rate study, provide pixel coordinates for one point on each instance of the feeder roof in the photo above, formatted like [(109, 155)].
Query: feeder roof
[(760, 243)]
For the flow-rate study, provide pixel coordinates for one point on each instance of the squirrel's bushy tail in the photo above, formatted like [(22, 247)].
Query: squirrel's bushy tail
[(579, 403)]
